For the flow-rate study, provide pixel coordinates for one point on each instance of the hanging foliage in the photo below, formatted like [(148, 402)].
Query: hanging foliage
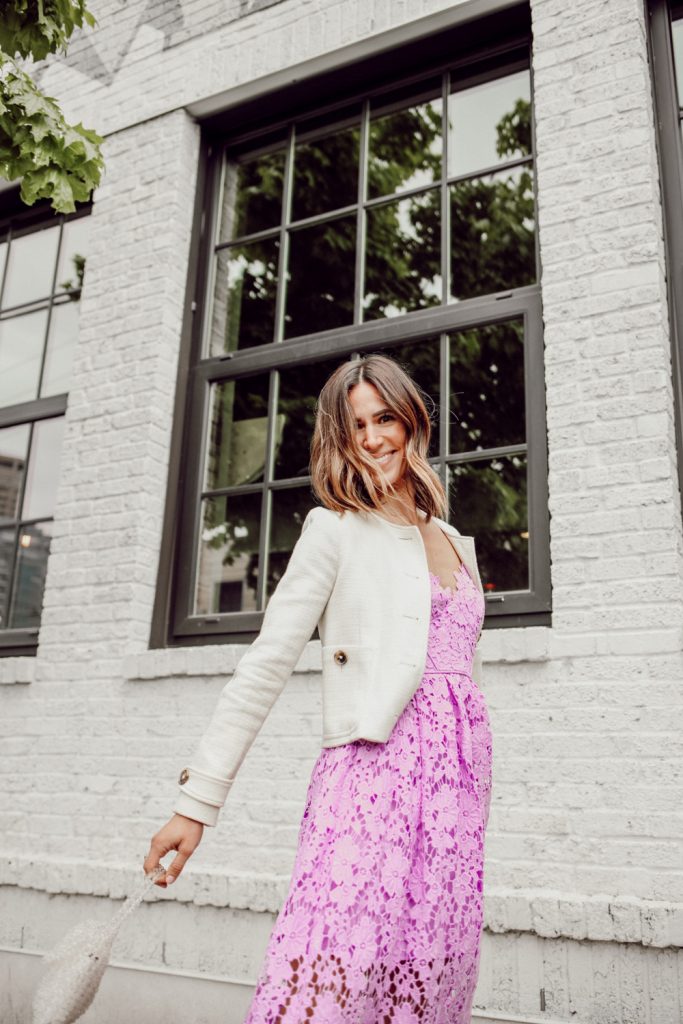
[(53, 159)]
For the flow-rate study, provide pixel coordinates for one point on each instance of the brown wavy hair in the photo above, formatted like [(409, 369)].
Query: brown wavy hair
[(343, 475)]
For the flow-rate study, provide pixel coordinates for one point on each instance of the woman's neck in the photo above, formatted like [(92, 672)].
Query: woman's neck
[(401, 508)]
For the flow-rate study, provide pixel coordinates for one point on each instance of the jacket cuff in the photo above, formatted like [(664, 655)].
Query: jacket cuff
[(195, 809), (202, 795)]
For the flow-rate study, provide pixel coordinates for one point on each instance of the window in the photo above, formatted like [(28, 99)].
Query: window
[(666, 53), (42, 259), (403, 221)]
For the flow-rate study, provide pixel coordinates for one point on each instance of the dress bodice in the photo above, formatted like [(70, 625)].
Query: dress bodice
[(456, 616)]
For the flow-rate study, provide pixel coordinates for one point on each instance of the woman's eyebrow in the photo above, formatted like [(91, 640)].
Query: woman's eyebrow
[(380, 412)]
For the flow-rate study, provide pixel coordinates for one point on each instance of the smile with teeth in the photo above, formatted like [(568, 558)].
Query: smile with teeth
[(383, 458)]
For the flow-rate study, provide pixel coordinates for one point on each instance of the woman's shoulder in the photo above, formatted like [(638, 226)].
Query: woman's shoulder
[(446, 526), (334, 521)]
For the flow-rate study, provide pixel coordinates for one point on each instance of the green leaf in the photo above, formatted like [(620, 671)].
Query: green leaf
[(36, 28), (55, 160)]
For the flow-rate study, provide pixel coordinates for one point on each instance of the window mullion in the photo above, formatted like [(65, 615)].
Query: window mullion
[(445, 205), (363, 150), (267, 500), (283, 260)]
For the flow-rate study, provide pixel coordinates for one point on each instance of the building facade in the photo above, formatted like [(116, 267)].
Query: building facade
[(491, 193)]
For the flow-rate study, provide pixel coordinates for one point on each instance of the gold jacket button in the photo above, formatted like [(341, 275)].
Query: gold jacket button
[(340, 657), (184, 776)]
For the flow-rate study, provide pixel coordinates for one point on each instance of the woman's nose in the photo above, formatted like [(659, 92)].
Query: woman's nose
[(371, 439)]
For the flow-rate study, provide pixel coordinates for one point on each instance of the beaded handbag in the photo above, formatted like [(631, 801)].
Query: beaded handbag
[(78, 962)]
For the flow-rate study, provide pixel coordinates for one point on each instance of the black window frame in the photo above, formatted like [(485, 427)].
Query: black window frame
[(669, 126), (17, 216), (485, 47)]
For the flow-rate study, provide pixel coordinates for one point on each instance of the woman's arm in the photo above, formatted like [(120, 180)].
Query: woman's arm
[(290, 617)]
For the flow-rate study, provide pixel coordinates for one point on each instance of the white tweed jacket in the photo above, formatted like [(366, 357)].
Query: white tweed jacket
[(364, 582)]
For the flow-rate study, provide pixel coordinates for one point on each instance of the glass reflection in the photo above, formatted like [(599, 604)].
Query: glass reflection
[(33, 550), (403, 263), (492, 234), (289, 509), (245, 290), (298, 394), (72, 252), (405, 149), (22, 339), (7, 546), (326, 173), (677, 36), (31, 267), (487, 387), (420, 359), (320, 280), (488, 499), (62, 338), (488, 124), (43, 468), (238, 425), (227, 572), (252, 195), (3, 257), (13, 454)]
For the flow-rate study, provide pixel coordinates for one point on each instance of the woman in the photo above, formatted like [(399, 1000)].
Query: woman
[(384, 913)]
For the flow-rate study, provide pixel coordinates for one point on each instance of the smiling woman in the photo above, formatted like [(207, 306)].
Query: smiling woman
[(385, 907), (380, 431)]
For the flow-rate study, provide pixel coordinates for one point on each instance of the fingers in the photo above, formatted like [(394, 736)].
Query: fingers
[(182, 835), (177, 865), (153, 860)]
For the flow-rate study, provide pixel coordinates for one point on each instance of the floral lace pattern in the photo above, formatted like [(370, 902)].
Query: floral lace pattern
[(383, 919)]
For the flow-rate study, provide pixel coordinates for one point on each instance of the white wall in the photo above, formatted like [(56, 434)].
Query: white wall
[(584, 877)]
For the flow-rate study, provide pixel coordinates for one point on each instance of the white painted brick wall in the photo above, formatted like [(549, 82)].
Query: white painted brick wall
[(585, 836)]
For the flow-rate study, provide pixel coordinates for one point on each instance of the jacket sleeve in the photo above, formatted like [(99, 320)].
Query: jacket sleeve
[(291, 615)]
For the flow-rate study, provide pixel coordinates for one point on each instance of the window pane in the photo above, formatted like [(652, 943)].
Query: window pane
[(405, 148), (488, 124), (238, 424), (228, 555), (244, 296), (61, 343), (421, 360), (321, 277), (32, 555), (403, 263), (326, 173), (72, 253), (489, 501), (298, 394), (492, 234), (677, 34), (22, 339), (13, 454), (7, 549), (289, 509), (487, 387), (43, 468), (31, 267), (252, 195)]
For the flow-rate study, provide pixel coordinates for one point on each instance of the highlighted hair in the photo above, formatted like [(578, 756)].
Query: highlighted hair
[(343, 475)]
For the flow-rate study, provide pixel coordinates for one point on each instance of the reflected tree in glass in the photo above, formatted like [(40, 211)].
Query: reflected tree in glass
[(318, 187), (489, 501), (404, 238), (493, 220), (487, 387)]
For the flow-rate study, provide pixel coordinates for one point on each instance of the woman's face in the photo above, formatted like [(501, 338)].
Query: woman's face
[(378, 430)]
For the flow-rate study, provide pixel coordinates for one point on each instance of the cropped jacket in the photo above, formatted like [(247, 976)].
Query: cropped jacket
[(364, 582)]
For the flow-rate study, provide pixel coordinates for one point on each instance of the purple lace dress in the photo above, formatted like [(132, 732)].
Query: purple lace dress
[(383, 918)]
